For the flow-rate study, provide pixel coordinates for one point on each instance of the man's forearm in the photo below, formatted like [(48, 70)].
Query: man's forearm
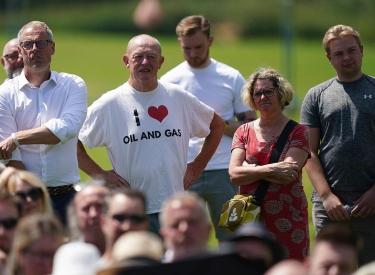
[(40, 135), (316, 175), (86, 163), (211, 141)]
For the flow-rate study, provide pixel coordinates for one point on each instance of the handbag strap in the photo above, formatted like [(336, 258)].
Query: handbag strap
[(261, 191)]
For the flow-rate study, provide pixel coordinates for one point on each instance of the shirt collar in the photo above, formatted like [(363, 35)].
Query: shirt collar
[(23, 81)]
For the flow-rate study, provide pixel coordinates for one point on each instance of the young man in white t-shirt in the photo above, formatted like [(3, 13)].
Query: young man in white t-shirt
[(219, 86)]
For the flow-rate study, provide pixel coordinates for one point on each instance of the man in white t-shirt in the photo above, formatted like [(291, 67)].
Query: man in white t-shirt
[(219, 86), (145, 126)]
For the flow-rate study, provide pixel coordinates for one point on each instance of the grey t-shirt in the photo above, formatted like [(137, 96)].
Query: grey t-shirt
[(345, 114)]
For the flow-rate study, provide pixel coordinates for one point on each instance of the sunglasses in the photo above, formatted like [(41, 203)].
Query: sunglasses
[(9, 223), (34, 194), (12, 56), (40, 44), (132, 218)]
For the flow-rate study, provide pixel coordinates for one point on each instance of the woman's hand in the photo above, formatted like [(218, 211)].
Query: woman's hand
[(283, 172)]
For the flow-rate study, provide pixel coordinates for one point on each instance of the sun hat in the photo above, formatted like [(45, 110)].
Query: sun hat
[(76, 258)]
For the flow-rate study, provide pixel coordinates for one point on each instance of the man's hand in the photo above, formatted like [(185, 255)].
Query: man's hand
[(7, 146), (365, 205), (192, 175), (114, 180), (335, 209)]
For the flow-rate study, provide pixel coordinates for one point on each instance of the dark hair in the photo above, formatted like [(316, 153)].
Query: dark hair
[(130, 193), (339, 234)]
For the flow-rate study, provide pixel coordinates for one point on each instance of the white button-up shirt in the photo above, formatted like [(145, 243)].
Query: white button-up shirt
[(60, 104)]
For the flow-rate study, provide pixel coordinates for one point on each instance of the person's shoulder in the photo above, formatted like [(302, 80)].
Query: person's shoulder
[(169, 86), (369, 78), (62, 76), (322, 86), (8, 85), (176, 72), (113, 94), (222, 66), (108, 98)]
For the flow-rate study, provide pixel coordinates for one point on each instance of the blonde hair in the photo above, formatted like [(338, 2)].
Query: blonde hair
[(31, 179), (191, 24), (339, 31), (29, 230), (283, 87)]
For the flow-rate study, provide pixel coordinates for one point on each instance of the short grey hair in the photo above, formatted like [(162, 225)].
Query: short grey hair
[(35, 24)]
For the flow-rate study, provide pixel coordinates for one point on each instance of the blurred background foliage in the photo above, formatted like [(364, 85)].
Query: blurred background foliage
[(232, 18)]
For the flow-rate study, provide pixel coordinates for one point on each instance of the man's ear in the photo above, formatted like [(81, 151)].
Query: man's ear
[(210, 41), (53, 48), (161, 61), (125, 58), (329, 58)]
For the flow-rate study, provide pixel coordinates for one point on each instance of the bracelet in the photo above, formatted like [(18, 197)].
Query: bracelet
[(15, 140)]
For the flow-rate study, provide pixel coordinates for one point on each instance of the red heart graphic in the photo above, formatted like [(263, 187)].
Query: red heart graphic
[(158, 113)]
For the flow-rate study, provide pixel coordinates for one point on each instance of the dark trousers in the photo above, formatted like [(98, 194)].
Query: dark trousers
[(60, 203)]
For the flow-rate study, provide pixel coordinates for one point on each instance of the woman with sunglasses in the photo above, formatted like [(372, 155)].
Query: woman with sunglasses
[(29, 188), (284, 208)]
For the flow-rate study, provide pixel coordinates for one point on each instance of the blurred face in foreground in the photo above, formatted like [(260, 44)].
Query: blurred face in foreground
[(8, 221), (332, 259), (89, 206), (38, 258), (124, 214), (31, 196), (185, 229)]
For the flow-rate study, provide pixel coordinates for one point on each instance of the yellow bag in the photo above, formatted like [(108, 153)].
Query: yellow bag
[(237, 211)]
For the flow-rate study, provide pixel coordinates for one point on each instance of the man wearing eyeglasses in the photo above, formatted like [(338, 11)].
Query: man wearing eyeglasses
[(124, 211), (11, 60), (10, 213), (41, 113), (219, 86)]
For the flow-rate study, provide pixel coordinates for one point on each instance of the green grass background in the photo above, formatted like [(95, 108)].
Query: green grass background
[(97, 58)]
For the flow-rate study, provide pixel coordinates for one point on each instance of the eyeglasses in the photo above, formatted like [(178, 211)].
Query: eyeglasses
[(9, 223), (267, 93), (40, 44), (11, 56), (34, 194), (132, 218)]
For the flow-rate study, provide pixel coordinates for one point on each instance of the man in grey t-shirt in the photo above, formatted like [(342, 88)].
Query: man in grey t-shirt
[(340, 115)]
